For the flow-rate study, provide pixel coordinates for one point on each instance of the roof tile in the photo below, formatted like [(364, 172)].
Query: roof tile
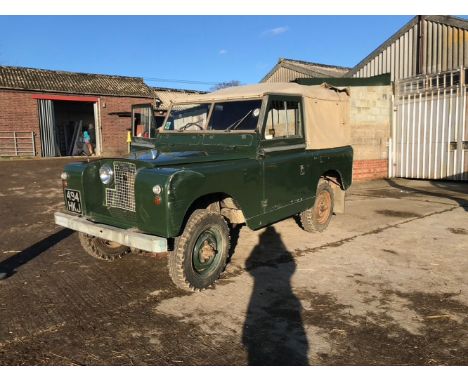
[(20, 78)]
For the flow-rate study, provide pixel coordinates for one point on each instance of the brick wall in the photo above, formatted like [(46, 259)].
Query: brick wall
[(370, 119), (18, 112), (113, 127), (369, 169)]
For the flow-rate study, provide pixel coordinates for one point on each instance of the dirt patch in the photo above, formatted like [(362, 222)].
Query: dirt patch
[(398, 214), (458, 231), (375, 339)]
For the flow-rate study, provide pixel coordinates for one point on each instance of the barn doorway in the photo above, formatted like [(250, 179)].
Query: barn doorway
[(68, 127)]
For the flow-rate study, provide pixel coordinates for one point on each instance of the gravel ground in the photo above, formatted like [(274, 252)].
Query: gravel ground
[(386, 284)]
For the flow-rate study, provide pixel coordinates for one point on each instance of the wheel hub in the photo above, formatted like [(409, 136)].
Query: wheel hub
[(207, 251), (324, 207)]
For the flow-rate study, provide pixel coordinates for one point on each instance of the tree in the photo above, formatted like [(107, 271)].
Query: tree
[(226, 84)]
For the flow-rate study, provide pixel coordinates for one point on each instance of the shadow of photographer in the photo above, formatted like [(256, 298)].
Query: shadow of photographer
[(273, 331)]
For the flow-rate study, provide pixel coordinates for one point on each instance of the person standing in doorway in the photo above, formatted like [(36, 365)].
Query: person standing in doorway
[(87, 141)]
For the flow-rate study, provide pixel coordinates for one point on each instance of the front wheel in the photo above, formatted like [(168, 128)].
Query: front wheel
[(317, 218), (200, 253), (102, 249)]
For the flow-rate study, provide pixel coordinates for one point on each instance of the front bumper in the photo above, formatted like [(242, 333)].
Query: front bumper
[(126, 237)]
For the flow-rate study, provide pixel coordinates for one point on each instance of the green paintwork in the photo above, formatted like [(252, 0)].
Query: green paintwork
[(267, 184)]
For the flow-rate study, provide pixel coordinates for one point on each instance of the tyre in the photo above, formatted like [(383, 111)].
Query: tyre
[(102, 249), (201, 252), (317, 218)]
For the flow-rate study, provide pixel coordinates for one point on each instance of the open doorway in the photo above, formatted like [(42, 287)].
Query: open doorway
[(74, 124), (68, 128)]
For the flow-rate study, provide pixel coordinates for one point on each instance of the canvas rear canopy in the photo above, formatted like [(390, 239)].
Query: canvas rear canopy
[(326, 108)]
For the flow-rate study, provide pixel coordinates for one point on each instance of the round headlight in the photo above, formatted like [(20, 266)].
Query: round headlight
[(64, 176), (157, 189), (106, 173)]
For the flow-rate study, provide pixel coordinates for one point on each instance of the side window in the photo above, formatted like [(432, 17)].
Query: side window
[(283, 119)]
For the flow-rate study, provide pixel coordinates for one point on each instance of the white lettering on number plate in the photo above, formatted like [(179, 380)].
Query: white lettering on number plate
[(73, 201)]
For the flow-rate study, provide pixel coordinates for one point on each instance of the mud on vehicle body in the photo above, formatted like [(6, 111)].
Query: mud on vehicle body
[(249, 155)]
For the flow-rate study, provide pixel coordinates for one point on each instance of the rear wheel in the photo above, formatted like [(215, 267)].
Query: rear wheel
[(200, 253), (103, 249), (317, 218)]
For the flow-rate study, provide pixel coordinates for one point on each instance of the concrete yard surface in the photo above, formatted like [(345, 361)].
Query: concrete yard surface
[(386, 284)]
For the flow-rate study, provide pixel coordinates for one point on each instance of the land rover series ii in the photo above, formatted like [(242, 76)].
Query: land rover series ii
[(250, 155)]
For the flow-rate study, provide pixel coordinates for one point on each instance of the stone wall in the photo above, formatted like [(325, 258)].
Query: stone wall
[(370, 119)]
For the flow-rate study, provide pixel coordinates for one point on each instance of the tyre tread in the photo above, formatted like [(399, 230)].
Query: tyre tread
[(177, 256)]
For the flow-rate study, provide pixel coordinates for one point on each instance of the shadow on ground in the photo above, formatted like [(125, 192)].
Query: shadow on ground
[(273, 332), (444, 186), (10, 266)]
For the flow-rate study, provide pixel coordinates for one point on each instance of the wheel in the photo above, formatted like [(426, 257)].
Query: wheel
[(201, 252), (103, 249), (317, 218)]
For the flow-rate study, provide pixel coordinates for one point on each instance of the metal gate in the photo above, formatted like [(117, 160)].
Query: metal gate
[(49, 145), (17, 143), (430, 132)]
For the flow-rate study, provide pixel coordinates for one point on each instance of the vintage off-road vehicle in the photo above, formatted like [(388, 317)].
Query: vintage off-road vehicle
[(249, 155)]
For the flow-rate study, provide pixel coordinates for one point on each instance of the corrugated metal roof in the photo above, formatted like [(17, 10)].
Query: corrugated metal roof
[(166, 95), (307, 69), (20, 78)]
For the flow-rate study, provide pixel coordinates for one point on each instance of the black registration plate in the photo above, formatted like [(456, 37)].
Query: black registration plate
[(73, 200)]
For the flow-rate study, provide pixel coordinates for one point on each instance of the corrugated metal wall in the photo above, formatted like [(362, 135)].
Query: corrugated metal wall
[(285, 75), (430, 137), (49, 146), (442, 48)]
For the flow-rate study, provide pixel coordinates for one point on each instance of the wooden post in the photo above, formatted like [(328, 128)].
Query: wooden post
[(15, 143)]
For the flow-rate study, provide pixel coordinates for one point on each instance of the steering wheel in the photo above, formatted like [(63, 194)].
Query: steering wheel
[(191, 124)]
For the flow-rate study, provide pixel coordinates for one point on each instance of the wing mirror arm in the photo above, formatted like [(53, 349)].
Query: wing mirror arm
[(261, 153)]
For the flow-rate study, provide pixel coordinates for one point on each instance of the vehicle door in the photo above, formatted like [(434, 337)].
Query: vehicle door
[(282, 153)]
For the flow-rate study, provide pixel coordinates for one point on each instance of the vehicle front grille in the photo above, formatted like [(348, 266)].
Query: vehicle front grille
[(123, 194)]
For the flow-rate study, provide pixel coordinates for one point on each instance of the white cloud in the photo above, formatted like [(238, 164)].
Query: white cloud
[(223, 51), (275, 31)]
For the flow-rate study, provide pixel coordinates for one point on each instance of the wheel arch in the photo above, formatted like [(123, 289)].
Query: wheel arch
[(220, 202), (336, 181)]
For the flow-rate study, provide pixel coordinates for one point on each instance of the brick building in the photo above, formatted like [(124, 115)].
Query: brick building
[(42, 111)]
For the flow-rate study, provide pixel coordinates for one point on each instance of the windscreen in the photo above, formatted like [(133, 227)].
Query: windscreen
[(236, 115), (190, 117)]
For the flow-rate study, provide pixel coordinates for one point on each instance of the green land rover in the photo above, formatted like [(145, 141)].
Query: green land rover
[(250, 155)]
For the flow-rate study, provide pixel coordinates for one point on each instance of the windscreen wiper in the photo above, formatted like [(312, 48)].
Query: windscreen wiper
[(236, 124)]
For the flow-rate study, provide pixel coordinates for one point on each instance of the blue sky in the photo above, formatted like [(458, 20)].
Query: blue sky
[(197, 48)]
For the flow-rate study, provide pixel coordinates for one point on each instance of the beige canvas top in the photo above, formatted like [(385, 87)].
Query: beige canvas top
[(326, 108), (323, 91)]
